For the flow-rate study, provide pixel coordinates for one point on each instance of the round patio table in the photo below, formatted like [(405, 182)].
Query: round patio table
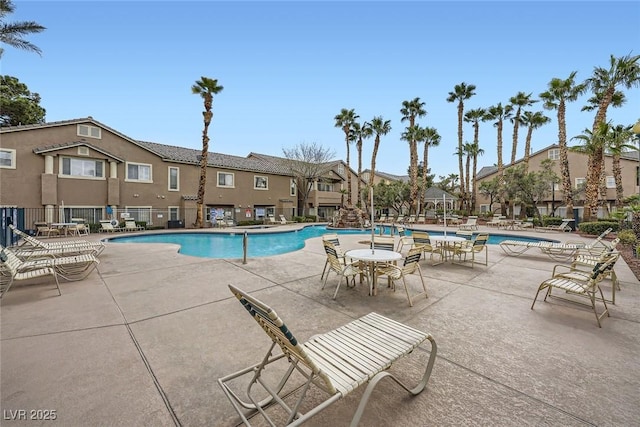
[(373, 256), (446, 243)]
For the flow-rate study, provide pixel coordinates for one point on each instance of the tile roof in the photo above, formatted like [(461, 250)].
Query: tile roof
[(190, 155), (56, 147)]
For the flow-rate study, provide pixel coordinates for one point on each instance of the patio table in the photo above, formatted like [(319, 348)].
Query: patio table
[(372, 257), (64, 226), (445, 243)]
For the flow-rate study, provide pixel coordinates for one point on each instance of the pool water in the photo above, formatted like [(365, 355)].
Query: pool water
[(229, 245)]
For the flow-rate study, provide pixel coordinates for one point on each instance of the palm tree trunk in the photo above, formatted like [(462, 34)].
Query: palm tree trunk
[(348, 172), (617, 176), (203, 167), (460, 167), (359, 146), (564, 160), (374, 154)]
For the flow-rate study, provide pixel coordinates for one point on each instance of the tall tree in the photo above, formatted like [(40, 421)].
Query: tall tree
[(558, 93), (498, 114), (307, 163), (413, 135), (410, 111), (520, 100), (431, 138), (618, 140), (360, 132), (474, 117), (461, 93), (380, 127), (345, 121), (18, 105), (604, 83), (206, 88), (475, 151), (532, 121), (11, 32)]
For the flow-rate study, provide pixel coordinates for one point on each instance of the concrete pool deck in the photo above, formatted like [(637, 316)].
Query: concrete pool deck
[(143, 340)]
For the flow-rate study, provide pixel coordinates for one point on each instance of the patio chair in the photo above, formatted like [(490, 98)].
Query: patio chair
[(421, 219), (410, 266), (80, 227), (383, 242), (403, 240), (564, 226), (284, 220), (271, 219), (590, 257), (579, 282), (472, 247), (421, 240), (33, 248), (382, 219), (333, 239), (109, 226), (496, 220), (130, 225), (555, 250), (411, 219), (45, 230), (341, 268), (13, 269), (471, 224), (335, 363)]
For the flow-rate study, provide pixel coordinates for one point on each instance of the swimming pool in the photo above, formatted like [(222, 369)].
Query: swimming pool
[(229, 245)]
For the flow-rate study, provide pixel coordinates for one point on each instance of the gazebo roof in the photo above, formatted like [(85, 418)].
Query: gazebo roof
[(437, 194)]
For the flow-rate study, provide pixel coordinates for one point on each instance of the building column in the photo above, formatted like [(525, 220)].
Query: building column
[(48, 208)]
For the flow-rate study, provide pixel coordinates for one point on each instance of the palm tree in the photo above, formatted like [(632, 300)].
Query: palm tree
[(531, 121), (410, 110), (499, 114), (617, 141), (624, 71), (11, 32), (206, 88), (345, 121), (520, 100), (380, 127), (431, 138), (558, 93), (461, 93), (361, 132), (475, 151), (474, 117)]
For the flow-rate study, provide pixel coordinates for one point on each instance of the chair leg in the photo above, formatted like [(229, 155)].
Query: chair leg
[(335, 294)]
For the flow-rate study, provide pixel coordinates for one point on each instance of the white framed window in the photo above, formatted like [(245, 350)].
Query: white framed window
[(580, 182), (325, 186), (226, 179), (556, 186), (139, 172), (174, 178), (485, 208), (611, 182), (341, 169), (72, 167), (7, 158), (260, 182), (140, 213), (554, 154), (292, 187), (83, 151), (90, 131), (174, 213)]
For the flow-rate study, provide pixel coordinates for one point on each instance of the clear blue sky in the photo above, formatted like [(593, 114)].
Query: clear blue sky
[(289, 67)]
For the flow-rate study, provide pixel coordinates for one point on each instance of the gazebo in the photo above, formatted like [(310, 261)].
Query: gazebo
[(436, 197)]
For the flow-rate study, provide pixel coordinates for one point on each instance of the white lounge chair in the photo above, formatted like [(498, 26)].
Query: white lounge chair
[(564, 226), (30, 247), (337, 363), (13, 269), (471, 224), (284, 220), (109, 226)]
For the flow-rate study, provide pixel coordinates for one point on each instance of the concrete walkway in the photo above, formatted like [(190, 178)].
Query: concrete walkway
[(143, 340)]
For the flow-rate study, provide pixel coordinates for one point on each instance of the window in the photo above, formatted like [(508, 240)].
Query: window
[(611, 182), (225, 179), (89, 131), (292, 187), (556, 186), (484, 208), (554, 154), (580, 182), (341, 169), (138, 172), (7, 158), (81, 168), (140, 214), (174, 213), (325, 186), (83, 151), (174, 178), (260, 183)]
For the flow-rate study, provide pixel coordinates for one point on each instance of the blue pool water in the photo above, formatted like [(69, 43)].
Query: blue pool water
[(229, 245)]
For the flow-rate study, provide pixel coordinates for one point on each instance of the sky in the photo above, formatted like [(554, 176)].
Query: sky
[(288, 68)]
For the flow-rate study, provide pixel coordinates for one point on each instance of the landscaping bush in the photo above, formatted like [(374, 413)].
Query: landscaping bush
[(551, 220), (250, 222), (596, 228), (627, 237)]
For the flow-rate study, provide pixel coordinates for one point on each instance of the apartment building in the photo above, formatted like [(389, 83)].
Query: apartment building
[(578, 169)]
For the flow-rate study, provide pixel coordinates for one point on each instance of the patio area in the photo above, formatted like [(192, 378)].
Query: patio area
[(143, 340)]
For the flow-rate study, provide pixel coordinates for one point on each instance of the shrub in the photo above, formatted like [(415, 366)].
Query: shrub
[(551, 220), (596, 228), (627, 237)]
